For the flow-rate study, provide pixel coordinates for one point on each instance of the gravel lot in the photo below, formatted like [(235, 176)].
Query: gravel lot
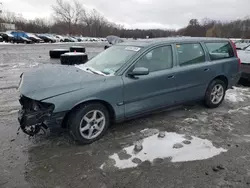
[(55, 161)]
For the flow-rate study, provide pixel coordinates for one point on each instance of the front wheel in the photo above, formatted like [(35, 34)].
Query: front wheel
[(215, 93), (89, 123)]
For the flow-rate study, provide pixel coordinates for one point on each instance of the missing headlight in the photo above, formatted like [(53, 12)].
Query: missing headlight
[(34, 105)]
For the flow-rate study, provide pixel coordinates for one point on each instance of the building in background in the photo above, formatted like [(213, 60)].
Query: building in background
[(8, 26), (5, 26)]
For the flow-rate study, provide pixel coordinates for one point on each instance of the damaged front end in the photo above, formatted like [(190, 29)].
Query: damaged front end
[(33, 115)]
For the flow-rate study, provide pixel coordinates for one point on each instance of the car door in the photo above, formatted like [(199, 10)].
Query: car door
[(193, 71), (148, 92)]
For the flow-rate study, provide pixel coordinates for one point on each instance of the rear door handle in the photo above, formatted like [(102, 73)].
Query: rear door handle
[(170, 77), (206, 69)]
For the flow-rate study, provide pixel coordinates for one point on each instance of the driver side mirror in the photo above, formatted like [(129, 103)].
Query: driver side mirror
[(139, 71)]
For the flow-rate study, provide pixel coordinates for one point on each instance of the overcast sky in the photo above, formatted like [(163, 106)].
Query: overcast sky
[(143, 13)]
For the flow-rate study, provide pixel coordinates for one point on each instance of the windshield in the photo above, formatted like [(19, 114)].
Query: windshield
[(109, 61)]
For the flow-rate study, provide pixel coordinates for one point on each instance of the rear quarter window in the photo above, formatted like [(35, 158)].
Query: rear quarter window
[(219, 50)]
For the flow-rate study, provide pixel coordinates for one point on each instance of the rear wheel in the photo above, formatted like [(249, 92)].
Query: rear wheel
[(89, 123), (215, 93)]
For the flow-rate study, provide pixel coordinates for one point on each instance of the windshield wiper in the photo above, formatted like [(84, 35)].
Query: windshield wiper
[(95, 72)]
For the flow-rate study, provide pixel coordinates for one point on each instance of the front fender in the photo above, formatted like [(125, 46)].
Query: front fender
[(112, 95)]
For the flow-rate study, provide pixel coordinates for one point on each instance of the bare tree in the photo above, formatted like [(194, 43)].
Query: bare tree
[(68, 13)]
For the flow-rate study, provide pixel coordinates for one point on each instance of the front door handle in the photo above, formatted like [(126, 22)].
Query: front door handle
[(170, 77), (206, 69)]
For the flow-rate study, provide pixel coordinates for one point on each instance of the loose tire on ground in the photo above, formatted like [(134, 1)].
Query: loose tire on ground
[(85, 119), (77, 49), (74, 58), (216, 88), (56, 53)]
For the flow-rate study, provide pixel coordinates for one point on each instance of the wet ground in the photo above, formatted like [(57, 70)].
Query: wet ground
[(56, 161)]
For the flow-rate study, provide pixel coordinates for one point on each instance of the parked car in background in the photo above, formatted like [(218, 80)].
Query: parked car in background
[(20, 37), (245, 66), (66, 39), (84, 39), (127, 80), (1, 39), (72, 39), (60, 38), (235, 39), (242, 44), (78, 39), (23, 40), (7, 37), (34, 38), (46, 38)]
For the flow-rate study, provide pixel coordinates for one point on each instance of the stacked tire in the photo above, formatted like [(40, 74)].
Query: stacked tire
[(56, 53), (77, 49), (74, 58)]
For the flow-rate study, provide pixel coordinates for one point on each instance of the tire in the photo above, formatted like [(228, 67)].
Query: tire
[(56, 53), (77, 49), (74, 58), (220, 95), (76, 122)]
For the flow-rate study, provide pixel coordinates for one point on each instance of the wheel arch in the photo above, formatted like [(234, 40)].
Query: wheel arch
[(222, 78), (79, 105)]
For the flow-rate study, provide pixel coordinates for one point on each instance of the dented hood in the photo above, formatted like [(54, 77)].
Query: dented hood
[(52, 80)]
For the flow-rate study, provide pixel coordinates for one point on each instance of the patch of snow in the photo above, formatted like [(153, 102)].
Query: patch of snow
[(5, 43), (74, 53), (59, 49), (242, 109), (233, 96), (77, 47), (34, 65), (149, 132), (154, 147), (237, 94), (190, 120)]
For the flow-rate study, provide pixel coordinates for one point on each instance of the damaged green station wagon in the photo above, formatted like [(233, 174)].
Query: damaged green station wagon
[(127, 80)]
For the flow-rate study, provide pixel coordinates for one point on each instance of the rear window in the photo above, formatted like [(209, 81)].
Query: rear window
[(219, 50)]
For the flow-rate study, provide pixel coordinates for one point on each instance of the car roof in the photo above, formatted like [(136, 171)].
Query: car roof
[(152, 42)]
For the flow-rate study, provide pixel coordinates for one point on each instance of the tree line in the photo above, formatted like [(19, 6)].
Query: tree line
[(71, 18)]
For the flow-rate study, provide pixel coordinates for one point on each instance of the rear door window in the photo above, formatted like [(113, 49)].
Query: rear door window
[(219, 50), (190, 54)]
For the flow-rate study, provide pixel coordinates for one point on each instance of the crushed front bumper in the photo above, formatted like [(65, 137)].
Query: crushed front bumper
[(35, 114)]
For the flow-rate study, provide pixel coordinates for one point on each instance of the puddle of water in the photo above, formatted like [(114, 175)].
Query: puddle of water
[(154, 147)]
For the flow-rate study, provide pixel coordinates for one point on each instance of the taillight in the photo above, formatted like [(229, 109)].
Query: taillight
[(235, 52)]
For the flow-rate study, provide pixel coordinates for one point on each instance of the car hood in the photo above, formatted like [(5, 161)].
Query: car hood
[(244, 56), (52, 80)]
